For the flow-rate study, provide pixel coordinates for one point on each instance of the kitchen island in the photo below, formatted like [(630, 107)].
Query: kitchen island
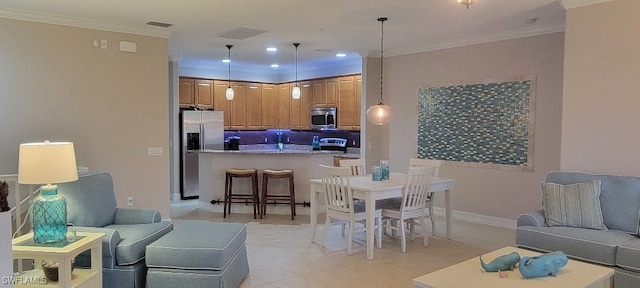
[(304, 163)]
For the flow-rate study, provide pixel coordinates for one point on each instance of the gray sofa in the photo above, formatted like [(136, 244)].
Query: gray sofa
[(91, 207), (617, 246)]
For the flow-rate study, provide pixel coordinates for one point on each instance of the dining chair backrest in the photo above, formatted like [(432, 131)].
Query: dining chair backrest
[(358, 166), (415, 194), (337, 186), (415, 162)]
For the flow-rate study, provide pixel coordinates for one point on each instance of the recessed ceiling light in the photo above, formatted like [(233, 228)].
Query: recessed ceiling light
[(275, 65), (272, 49), (226, 61), (341, 55)]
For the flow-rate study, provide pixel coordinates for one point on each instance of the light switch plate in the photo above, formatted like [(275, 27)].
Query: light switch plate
[(154, 151)]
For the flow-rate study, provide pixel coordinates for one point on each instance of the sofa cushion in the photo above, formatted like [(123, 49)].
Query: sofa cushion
[(197, 245), (575, 205), (628, 255), (619, 197), (135, 239), (598, 246), (91, 200)]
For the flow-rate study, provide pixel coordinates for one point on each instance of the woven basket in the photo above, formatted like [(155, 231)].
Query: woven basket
[(51, 269)]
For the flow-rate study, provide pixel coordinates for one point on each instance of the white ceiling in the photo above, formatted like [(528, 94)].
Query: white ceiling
[(323, 27)]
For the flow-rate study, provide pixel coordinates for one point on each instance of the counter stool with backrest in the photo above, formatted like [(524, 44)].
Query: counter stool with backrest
[(229, 196), (291, 197)]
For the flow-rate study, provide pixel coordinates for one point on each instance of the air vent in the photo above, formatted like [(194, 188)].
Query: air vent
[(159, 24), (241, 33), (323, 50)]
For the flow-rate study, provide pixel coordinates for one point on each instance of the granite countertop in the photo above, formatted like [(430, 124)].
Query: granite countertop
[(270, 151), (289, 149)]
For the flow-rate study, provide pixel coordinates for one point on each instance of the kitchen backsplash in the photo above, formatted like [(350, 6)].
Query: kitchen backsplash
[(292, 136)]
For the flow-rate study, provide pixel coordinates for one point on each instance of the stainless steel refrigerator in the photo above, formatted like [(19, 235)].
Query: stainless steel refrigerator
[(199, 130)]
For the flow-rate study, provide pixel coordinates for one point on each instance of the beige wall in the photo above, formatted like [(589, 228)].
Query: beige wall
[(488, 192), (601, 100), (113, 105)]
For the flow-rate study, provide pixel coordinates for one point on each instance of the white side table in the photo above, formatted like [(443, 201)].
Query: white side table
[(24, 248)]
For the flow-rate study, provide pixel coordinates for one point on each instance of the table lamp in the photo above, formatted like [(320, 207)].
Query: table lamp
[(48, 163)]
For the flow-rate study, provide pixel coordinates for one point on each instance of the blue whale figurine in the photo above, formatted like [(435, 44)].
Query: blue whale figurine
[(543, 265), (504, 262)]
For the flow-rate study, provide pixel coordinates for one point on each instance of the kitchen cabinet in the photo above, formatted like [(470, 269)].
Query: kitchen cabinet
[(254, 106), (269, 106), (349, 90), (220, 102), (284, 105), (324, 92), (195, 92), (239, 106), (234, 110), (300, 109), (204, 93), (186, 93)]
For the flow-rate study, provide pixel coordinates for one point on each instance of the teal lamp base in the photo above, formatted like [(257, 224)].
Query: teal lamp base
[(49, 216)]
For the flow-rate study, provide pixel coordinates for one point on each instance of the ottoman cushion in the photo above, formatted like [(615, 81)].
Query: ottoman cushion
[(197, 245)]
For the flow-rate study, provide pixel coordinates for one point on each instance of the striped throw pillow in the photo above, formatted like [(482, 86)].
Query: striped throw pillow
[(574, 205)]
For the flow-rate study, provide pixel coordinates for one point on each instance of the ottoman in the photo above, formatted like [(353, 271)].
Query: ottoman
[(198, 254)]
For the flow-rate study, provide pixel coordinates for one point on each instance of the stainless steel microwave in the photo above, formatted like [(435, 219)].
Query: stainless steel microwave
[(323, 118)]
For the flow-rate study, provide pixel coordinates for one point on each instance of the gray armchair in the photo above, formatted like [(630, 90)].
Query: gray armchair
[(91, 207)]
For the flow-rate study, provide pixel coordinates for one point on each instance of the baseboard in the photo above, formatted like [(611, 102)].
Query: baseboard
[(437, 211), (477, 218)]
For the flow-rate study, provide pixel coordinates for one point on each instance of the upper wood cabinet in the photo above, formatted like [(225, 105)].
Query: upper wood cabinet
[(269, 106), (258, 106), (254, 105), (195, 92), (186, 92), (324, 92), (300, 109), (283, 106), (349, 103), (204, 93), (239, 106)]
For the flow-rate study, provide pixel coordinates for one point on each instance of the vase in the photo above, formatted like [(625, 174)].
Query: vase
[(49, 217)]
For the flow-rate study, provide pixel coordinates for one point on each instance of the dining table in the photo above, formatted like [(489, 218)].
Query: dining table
[(365, 188)]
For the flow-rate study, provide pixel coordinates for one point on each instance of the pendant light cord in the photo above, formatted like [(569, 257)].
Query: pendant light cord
[(229, 46), (296, 44), (381, 101)]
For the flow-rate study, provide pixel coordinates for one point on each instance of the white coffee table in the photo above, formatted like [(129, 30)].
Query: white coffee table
[(470, 274)]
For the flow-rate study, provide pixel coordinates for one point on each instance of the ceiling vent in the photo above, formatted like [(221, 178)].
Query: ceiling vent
[(241, 33), (159, 24)]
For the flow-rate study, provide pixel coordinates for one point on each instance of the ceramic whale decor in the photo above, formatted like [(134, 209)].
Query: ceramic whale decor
[(504, 262), (543, 265)]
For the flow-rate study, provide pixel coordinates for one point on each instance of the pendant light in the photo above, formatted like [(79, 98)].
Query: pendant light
[(466, 2), (380, 114), (229, 93), (295, 92)]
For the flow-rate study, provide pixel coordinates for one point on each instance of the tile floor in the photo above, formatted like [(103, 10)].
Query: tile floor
[(281, 254)]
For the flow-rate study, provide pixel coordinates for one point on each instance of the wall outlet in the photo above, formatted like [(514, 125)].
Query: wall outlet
[(129, 201)]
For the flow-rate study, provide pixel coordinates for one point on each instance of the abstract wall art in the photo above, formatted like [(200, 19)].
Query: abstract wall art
[(483, 124)]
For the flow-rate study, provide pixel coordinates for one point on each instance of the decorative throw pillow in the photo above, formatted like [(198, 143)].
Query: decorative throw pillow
[(574, 205)]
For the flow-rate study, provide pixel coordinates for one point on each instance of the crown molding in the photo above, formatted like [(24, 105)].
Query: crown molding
[(475, 40), (568, 4), (84, 23)]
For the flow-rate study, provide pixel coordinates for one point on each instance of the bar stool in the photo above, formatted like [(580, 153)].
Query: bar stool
[(288, 174), (228, 189)]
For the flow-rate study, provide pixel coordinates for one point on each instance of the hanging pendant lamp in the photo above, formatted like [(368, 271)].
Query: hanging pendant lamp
[(295, 92), (466, 2), (229, 92), (380, 114)]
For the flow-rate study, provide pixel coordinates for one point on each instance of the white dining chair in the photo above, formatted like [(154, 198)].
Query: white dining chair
[(412, 205), (415, 162), (339, 200), (358, 166)]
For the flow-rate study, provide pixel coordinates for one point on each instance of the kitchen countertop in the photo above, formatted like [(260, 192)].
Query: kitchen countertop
[(270, 151)]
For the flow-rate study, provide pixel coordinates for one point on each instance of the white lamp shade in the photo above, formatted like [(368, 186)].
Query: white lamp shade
[(380, 114), (47, 163), (295, 92), (229, 93)]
